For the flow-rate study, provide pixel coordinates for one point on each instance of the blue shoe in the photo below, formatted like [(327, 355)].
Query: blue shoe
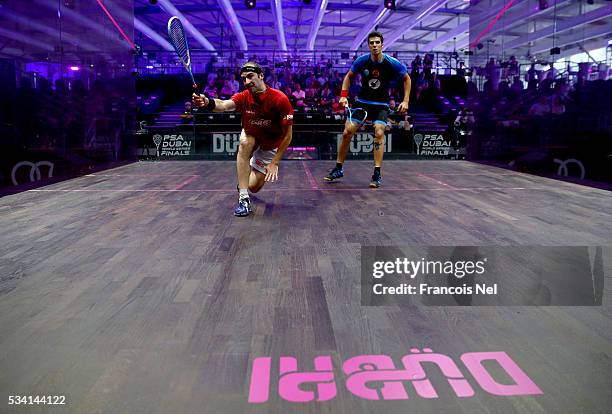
[(243, 208), (376, 180), (334, 174)]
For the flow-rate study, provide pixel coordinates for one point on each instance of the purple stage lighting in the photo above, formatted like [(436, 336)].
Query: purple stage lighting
[(250, 4), (75, 68), (390, 4)]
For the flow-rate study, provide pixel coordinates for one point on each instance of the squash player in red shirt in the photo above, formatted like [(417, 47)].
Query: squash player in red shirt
[(267, 128)]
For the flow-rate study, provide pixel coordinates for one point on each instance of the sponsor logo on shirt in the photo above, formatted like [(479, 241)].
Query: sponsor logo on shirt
[(374, 83), (260, 122)]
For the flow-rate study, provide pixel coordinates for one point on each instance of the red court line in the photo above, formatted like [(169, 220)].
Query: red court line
[(187, 181), (209, 190), (151, 174), (470, 174), (311, 179)]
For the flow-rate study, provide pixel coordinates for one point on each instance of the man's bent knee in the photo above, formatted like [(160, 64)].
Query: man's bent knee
[(245, 147)]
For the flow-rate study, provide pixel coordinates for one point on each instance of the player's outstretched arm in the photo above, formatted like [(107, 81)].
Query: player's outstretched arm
[(214, 105)]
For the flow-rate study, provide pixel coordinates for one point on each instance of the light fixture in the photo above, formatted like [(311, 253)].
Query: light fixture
[(250, 4), (390, 4)]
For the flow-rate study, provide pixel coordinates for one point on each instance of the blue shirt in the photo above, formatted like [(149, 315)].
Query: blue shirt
[(377, 77)]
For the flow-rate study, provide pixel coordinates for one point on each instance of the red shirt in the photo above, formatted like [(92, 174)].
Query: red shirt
[(264, 115)]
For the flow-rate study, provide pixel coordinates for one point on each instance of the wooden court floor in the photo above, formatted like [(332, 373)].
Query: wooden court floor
[(135, 290)]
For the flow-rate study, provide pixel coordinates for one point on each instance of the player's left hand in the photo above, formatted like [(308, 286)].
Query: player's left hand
[(199, 100), (402, 107), (272, 172)]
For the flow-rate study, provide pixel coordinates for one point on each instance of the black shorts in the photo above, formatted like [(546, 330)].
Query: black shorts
[(377, 114)]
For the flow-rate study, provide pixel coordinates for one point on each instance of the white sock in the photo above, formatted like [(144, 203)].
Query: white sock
[(244, 193)]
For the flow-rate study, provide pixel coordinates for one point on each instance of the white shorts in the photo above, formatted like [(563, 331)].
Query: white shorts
[(261, 159)]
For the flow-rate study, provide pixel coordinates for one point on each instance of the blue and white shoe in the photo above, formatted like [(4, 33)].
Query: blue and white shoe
[(243, 208), (376, 180), (334, 174)]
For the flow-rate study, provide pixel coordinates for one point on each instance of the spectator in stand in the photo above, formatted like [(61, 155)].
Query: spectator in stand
[(548, 81), (226, 91), (285, 79), (327, 98), (461, 69), (187, 115), (211, 77), (299, 96), (289, 94), (311, 100), (337, 82), (493, 74), (531, 77), (428, 65), (322, 62), (321, 80), (211, 89), (219, 80), (310, 81), (235, 85), (416, 67), (513, 67), (275, 83)]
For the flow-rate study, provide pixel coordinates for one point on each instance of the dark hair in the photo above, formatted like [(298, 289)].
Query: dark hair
[(251, 67), (376, 34)]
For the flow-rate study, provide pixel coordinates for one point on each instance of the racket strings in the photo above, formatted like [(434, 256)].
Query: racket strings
[(177, 37)]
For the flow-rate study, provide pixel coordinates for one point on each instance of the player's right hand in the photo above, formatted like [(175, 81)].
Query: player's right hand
[(199, 100), (343, 101)]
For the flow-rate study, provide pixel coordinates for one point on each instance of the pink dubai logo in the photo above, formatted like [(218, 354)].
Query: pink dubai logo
[(362, 370)]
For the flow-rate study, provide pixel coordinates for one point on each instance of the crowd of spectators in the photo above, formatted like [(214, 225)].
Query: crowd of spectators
[(538, 110), (496, 89), (65, 114), (309, 87)]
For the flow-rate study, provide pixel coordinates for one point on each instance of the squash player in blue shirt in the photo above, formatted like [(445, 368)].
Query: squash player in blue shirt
[(378, 70)]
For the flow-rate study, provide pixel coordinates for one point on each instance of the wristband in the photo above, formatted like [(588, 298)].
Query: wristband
[(211, 103), (344, 93)]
